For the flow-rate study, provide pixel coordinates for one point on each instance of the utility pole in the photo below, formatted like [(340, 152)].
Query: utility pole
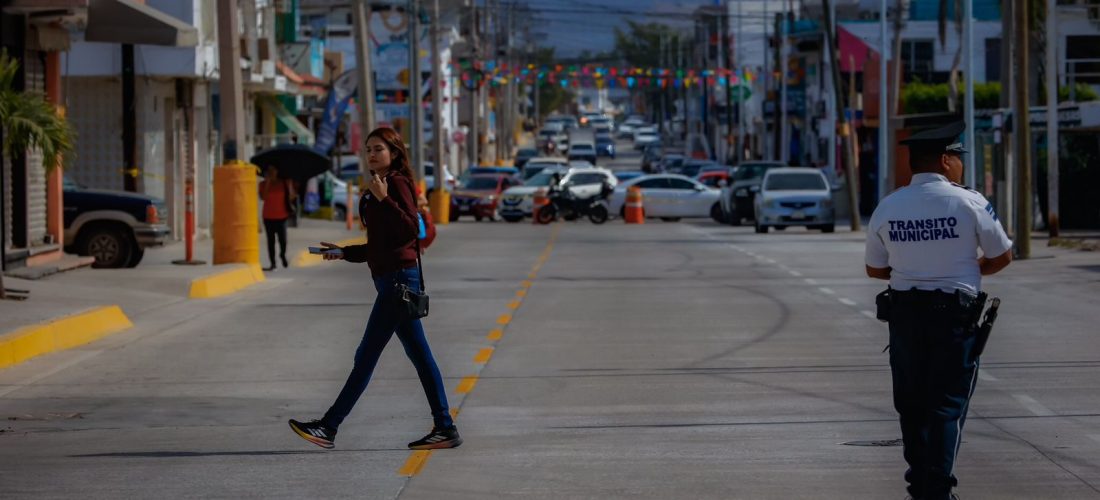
[(834, 108), (365, 99), (740, 89), (472, 140), (968, 104), (883, 105), (416, 99), (784, 149), (1052, 117), (842, 121), (767, 151), (440, 199), (1022, 127), (229, 81)]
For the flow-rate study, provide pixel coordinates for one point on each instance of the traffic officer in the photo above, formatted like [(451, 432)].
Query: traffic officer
[(925, 239)]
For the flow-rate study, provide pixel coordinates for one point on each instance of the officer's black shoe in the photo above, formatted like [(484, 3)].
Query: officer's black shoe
[(315, 432), (438, 439)]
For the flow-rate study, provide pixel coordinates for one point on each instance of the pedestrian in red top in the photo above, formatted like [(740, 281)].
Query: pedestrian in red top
[(279, 196), (389, 211)]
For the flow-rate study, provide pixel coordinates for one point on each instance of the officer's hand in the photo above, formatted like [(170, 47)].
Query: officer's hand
[(378, 187)]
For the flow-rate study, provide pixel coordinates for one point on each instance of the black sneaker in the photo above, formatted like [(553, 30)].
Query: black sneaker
[(438, 439), (315, 432)]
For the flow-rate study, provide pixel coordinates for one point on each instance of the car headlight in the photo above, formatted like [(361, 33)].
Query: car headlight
[(827, 203), (488, 200), (771, 204)]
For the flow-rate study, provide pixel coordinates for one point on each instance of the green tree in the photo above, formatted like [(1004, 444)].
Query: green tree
[(30, 122), (640, 45)]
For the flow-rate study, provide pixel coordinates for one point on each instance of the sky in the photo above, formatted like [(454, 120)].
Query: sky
[(588, 29)]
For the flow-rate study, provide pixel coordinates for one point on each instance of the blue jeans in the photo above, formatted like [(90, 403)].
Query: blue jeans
[(385, 318)]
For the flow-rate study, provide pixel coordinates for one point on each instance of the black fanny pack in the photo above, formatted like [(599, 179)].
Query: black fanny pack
[(413, 303)]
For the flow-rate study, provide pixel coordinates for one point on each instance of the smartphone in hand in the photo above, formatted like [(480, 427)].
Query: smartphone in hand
[(335, 252)]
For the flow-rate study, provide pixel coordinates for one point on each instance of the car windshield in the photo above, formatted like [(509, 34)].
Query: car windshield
[(791, 182), (527, 152), (480, 183), (543, 179), (746, 172), (582, 147), (532, 170)]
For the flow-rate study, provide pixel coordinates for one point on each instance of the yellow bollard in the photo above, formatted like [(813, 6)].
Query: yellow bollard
[(236, 214), (439, 202)]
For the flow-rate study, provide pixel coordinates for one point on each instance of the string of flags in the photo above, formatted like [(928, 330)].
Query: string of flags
[(598, 76)]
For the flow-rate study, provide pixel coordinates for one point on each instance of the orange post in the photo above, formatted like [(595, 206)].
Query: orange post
[(634, 211), (540, 200)]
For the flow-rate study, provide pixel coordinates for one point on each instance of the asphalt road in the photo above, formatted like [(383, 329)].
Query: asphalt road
[(663, 360)]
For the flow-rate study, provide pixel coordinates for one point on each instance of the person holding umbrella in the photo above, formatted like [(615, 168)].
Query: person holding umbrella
[(389, 212), (279, 196)]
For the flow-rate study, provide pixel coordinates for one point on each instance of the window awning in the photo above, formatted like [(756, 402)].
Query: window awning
[(126, 21), (273, 106)]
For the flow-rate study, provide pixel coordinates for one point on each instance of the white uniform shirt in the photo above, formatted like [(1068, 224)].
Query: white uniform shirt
[(929, 233)]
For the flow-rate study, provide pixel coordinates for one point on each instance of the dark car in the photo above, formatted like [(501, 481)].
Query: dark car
[(651, 156), (737, 198), (582, 152), (605, 147), (479, 194), (692, 168), (115, 227), (525, 154)]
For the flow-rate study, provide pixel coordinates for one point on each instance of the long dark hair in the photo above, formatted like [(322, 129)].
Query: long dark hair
[(399, 155)]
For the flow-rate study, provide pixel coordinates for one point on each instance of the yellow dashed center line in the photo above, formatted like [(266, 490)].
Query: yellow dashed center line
[(467, 384), (483, 355), (415, 463)]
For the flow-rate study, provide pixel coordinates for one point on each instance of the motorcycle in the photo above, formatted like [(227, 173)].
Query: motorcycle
[(564, 203)]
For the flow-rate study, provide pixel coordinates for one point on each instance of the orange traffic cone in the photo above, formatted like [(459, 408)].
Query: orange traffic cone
[(634, 212)]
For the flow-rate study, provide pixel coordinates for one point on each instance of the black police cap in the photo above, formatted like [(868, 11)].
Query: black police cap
[(944, 138)]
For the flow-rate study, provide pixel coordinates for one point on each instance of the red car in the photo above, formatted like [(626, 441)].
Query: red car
[(479, 194), (713, 178)]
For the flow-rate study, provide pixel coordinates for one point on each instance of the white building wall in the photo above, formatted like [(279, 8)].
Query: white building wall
[(943, 54)]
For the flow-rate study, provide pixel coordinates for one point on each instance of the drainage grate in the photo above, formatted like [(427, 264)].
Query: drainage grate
[(881, 442)]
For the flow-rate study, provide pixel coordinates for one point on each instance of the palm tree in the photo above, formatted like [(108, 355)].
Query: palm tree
[(29, 122)]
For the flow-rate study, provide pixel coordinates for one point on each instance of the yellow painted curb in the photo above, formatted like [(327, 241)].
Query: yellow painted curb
[(60, 334), (306, 259), (237, 276)]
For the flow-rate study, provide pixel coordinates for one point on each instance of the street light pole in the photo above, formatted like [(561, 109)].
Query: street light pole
[(1052, 117)]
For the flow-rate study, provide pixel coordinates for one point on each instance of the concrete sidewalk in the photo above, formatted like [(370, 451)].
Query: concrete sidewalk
[(155, 284)]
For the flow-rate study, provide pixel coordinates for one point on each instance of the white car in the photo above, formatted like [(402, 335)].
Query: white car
[(794, 197), (669, 196), (340, 197), (627, 128), (585, 181), (645, 137)]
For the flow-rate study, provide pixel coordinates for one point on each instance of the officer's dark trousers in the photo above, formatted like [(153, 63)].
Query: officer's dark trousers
[(934, 372)]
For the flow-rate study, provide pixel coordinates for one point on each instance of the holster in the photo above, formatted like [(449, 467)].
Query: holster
[(882, 305)]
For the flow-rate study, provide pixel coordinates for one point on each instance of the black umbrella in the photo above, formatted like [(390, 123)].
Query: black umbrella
[(294, 161)]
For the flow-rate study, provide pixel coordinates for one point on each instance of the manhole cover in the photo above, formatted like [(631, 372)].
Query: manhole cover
[(881, 442)]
